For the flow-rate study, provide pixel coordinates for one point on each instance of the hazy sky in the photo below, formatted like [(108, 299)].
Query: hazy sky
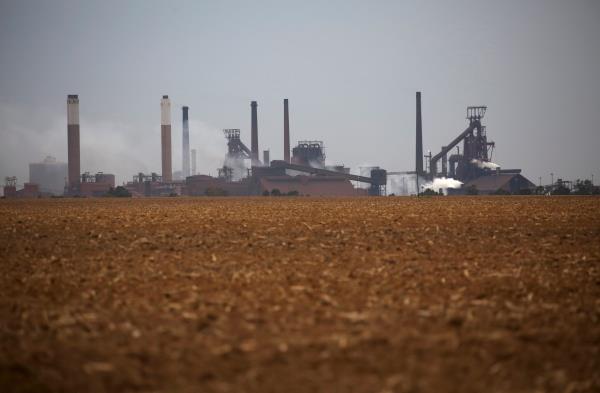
[(349, 68)]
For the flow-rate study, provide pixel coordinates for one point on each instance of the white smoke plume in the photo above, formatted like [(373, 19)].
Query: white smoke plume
[(238, 166), (442, 183), (485, 164)]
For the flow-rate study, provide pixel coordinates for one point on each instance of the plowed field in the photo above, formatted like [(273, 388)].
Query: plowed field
[(455, 294)]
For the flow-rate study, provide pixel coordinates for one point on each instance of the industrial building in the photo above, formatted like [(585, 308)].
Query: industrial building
[(302, 171), (243, 173), (96, 185), (50, 175), (508, 183), (29, 190), (472, 167)]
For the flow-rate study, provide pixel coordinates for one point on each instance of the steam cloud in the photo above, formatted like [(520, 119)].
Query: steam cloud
[(485, 164), (442, 183)]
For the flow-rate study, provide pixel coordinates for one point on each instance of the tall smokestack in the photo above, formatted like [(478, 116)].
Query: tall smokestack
[(193, 162), (266, 158), (73, 142), (286, 131), (185, 166), (254, 135), (165, 139), (419, 150)]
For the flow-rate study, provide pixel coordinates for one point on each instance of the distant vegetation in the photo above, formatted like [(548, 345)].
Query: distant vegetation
[(430, 192), (585, 187), (561, 189), (216, 191), (118, 192), (277, 192), (472, 190)]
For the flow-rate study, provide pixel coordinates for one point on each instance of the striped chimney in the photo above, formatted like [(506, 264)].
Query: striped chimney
[(165, 139), (73, 152)]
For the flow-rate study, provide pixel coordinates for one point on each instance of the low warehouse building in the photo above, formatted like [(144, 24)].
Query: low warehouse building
[(309, 185), (500, 183)]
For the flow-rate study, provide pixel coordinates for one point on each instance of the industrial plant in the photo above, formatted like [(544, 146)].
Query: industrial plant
[(302, 171)]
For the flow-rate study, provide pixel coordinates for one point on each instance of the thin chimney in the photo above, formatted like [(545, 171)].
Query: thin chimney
[(254, 135), (286, 131), (185, 166), (419, 148)]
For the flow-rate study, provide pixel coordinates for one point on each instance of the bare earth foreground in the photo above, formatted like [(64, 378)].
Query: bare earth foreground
[(457, 294)]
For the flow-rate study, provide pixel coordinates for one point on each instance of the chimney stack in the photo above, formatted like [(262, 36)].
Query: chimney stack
[(266, 158), (193, 162), (254, 135), (286, 131), (185, 166), (165, 139), (419, 150), (73, 153)]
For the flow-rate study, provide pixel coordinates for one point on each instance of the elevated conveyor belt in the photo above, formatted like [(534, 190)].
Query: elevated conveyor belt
[(319, 171)]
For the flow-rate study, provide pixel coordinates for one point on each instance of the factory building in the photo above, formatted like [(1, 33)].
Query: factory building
[(309, 185), (473, 166), (29, 190), (96, 185), (50, 175), (305, 173), (302, 170), (202, 185), (143, 185), (507, 183)]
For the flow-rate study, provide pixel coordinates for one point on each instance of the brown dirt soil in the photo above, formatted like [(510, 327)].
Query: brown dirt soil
[(456, 294)]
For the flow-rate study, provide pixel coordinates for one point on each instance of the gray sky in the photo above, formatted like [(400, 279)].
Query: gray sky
[(349, 69)]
